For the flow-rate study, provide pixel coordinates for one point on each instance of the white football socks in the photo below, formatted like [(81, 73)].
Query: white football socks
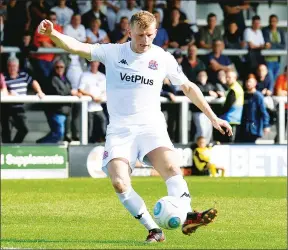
[(136, 206), (177, 186)]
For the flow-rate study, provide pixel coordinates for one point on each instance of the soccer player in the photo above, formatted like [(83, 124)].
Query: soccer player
[(135, 72)]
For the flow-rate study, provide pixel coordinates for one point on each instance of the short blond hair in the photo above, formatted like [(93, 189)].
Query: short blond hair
[(143, 19)]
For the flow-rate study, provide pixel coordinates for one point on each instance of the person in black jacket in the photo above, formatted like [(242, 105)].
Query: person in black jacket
[(57, 113)]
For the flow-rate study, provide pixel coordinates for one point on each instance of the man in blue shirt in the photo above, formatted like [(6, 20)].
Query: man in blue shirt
[(217, 61), (161, 39)]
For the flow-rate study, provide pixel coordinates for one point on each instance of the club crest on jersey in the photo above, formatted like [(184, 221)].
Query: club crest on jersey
[(153, 65)]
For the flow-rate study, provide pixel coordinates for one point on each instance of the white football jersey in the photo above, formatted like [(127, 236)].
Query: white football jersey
[(134, 82)]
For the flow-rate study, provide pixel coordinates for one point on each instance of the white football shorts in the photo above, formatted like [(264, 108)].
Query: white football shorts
[(134, 142)]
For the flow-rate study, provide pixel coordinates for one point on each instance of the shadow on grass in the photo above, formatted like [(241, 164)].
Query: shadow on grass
[(130, 242)]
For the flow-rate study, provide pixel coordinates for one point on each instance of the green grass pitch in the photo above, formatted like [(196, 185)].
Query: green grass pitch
[(85, 213)]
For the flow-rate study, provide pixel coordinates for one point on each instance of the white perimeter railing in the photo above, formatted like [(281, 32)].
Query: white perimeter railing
[(183, 101)]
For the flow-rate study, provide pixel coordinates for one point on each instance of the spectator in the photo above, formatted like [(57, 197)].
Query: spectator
[(63, 13), (255, 118), (150, 6), (265, 85), (129, 11), (113, 7), (56, 114), (38, 11), (275, 37), (95, 12), (217, 61), (209, 33), (43, 63), (93, 83), (74, 71), (233, 106), (202, 124), (17, 83), (221, 82), (180, 35), (16, 23), (280, 88), (121, 33), (233, 12), (171, 5), (202, 158), (191, 64), (95, 34), (161, 39), (233, 38)]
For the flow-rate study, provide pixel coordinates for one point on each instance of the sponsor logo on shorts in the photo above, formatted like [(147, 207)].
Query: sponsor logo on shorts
[(153, 65), (136, 79), (105, 155)]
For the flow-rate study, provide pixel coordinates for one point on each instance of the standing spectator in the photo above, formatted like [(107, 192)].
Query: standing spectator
[(17, 83), (93, 83), (161, 39), (95, 12), (255, 119), (233, 37), (16, 23), (43, 63), (180, 35), (202, 123), (191, 64), (233, 12), (63, 13), (56, 114), (275, 37), (113, 7), (233, 106), (209, 33), (74, 71), (129, 11), (217, 61), (121, 33), (38, 11), (95, 34)]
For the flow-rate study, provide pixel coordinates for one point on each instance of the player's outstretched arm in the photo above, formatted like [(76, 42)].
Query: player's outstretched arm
[(67, 43), (195, 95)]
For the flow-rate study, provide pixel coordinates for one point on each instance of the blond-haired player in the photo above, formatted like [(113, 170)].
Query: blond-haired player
[(135, 71)]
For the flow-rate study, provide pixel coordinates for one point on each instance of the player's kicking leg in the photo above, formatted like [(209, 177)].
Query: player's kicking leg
[(166, 162), (119, 172)]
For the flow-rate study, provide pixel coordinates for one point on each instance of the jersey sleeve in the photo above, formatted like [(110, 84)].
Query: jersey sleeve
[(174, 71)]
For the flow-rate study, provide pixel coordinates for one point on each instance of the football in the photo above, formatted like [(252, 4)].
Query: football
[(168, 212)]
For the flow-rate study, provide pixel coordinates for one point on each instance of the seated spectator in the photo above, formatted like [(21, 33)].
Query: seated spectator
[(161, 39), (95, 12), (56, 114), (93, 83), (16, 23), (280, 88), (233, 12), (233, 39), (264, 85), (17, 84), (233, 106), (202, 124), (129, 11), (209, 33), (191, 64), (75, 29), (180, 35), (63, 13), (221, 82), (255, 119), (38, 11), (274, 36), (43, 63), (121, 33), (217, 61), (95, 34), (202, 158)]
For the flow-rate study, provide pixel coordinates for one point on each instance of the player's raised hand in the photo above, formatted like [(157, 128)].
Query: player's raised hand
[(223, 127), (45, 27)]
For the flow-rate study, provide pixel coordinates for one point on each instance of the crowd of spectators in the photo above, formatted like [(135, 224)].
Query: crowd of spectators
[(247, 82)]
